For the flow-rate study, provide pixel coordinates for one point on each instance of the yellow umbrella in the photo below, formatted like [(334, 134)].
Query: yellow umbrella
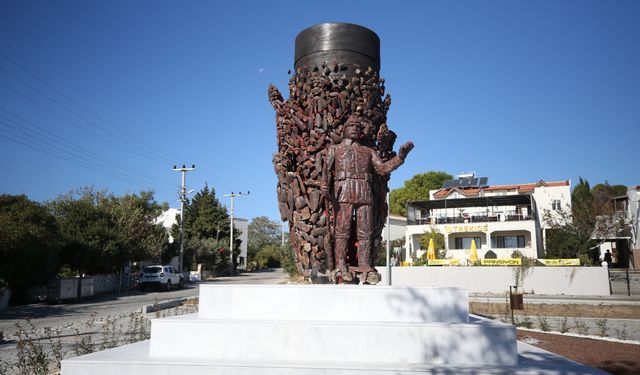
[(431, 250), (473, 257)]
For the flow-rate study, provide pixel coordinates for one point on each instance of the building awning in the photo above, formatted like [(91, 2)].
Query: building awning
[(496, 200)]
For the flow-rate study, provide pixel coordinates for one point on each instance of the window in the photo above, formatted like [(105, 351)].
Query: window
[(555, 204), (465, 242), (510, 242)]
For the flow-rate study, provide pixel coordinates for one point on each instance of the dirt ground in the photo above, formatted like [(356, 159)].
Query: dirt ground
[(568, 310), (615, 358)]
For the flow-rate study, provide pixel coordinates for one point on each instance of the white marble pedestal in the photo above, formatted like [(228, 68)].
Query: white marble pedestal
[(324, 329)]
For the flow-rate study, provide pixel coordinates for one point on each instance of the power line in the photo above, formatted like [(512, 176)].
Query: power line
[(83, 151), (157, 155), (158, 151), (71, 121), (56, 151), (62, 157), (23, 68)]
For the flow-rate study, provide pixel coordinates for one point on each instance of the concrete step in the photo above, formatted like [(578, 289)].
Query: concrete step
[(479, 342), (374, 303), (134, 359)]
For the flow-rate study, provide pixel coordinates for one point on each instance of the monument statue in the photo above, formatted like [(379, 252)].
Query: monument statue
[(335, 153), (349, 170)]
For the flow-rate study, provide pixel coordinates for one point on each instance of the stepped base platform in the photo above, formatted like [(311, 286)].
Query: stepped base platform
[(326, 329), (134, 359), (481, 341)]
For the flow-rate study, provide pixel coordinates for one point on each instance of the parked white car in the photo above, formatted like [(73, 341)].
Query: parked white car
[(164, 277)]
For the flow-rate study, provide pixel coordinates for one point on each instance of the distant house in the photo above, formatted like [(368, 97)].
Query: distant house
[(243, 226), (618, 232), (397, 230), (499, 219), (397, 227)]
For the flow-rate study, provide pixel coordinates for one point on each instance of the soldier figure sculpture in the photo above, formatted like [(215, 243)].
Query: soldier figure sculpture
[(346, 182)]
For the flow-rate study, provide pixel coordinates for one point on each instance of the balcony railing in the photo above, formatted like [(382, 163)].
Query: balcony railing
[(469, 219)]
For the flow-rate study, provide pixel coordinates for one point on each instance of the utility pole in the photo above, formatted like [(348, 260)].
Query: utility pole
[(232, 195), (282, 240), (388, 241), (182, 196)]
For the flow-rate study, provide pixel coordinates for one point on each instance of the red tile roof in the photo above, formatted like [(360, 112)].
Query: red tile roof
[(469, 192), (523, 188)]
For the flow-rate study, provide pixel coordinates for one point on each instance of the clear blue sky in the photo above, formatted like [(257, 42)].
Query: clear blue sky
[(515, 90)]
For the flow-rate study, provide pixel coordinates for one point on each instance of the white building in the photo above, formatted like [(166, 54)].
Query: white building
[(397, 230), (500, 219), (168, 219), (242, 225), (633, 215), (618, 233), (397, 227)]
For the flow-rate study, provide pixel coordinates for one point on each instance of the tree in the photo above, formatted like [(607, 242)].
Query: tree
[(101, 232), (205, 217), (135, 216), (583, 213), (570, 231), (438, 240), (603, 194), (209, 252), (562, 242), (207, 227), (29, 244), (415, 189), (395, 248), (264, 239), (263, 232), (88, 231), (269, 256), (591, 209)]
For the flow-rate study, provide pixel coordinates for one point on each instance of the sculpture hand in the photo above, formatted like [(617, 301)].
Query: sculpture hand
[(404, 150), (275, 98)]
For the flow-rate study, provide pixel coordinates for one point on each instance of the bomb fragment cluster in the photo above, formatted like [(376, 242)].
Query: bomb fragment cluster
[(320, 101)]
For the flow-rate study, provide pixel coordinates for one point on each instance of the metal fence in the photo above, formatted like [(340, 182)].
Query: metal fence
[(624, 282)]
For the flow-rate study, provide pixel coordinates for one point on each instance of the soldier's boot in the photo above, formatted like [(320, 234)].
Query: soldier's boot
[(341, 272), (364, 256), (367, 273)]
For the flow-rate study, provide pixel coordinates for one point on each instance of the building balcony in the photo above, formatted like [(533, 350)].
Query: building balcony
[(498, 217)]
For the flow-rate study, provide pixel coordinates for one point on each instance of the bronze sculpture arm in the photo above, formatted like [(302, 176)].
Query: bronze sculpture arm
[(327, 173), (383, 168), (275, 98)]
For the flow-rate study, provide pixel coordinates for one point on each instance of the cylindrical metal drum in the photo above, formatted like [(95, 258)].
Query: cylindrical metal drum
[(345, 44)]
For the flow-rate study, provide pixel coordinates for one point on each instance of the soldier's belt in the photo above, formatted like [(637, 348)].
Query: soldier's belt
[(357, 176)]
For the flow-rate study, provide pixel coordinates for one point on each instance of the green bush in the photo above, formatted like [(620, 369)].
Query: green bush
[(269, 257), (288, 260), (275, 256)]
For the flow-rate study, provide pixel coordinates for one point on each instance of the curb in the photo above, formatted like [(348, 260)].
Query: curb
[(570, 334), (163, 305)]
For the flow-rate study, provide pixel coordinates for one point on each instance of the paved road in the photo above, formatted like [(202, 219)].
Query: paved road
[(43, 315)]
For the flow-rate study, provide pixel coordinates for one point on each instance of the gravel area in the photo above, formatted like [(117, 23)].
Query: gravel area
[(48, 344), (613, 357)]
